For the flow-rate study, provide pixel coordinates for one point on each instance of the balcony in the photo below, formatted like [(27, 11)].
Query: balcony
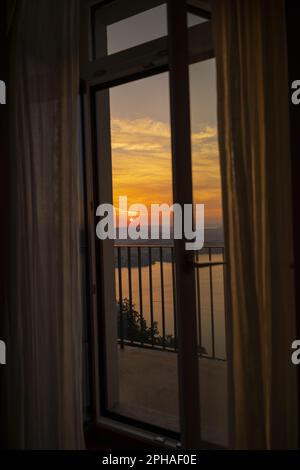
[(147, 337)]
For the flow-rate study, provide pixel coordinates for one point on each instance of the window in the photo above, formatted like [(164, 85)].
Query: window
[(139, 338), (116, 27), (130, 31)]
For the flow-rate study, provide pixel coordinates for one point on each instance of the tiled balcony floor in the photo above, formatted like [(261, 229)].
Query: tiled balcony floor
[(148, 391)]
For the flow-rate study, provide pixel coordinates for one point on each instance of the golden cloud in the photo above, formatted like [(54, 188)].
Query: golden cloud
[(141, 159)]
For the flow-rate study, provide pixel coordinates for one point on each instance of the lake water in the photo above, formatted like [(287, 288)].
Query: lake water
[(206, 311)]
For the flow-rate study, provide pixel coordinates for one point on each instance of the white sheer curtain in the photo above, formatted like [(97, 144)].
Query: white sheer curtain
[(253, 104), (44, 347)]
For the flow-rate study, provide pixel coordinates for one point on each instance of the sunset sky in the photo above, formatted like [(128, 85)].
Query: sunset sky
[(141, 141), (140, 124)]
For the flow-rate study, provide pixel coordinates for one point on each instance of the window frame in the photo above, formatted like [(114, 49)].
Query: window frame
[(97, 75)]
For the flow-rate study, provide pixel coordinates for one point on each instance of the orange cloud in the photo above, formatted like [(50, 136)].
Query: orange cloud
[(141, 159)]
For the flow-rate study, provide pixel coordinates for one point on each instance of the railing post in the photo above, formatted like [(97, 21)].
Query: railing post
[(129, 284), (151, 294), (174, 298), (199, 306), (212, 319), (162, 287), (140, 288), (120, 298)]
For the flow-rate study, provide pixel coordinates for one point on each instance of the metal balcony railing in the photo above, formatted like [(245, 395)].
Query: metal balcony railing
[(145, 286)]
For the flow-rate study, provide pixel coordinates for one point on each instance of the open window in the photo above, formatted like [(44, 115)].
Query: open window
[(157, 317)]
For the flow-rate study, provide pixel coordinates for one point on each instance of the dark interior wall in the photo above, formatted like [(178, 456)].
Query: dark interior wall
[(293, 45)]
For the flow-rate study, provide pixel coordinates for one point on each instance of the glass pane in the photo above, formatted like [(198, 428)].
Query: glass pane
[(209, 280), (113, 34), (194, 20), (146, 370), (129, 31), (146, 26)]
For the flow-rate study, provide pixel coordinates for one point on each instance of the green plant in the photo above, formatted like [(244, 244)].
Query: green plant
[(133, 327)]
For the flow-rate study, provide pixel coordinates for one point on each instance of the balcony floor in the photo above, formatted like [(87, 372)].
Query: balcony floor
[(148, 391)]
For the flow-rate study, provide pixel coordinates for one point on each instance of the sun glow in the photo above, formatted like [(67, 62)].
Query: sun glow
[(141, 158)]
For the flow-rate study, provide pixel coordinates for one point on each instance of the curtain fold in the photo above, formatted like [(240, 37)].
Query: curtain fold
[(44, 320), (250, 46)]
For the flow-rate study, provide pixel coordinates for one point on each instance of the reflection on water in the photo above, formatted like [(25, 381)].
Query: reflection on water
[(209, 304)]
